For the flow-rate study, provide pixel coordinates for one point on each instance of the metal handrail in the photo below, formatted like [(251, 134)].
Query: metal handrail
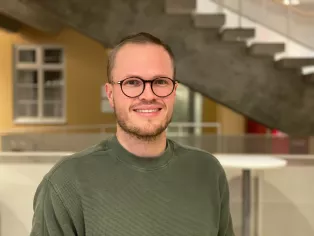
[(279, 2), (285, 30), (295, 9), (104, 127)]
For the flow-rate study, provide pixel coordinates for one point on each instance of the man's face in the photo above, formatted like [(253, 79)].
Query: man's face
[(147, 115)]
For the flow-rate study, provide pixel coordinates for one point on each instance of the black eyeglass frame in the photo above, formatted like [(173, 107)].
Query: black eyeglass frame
[(120, 82)]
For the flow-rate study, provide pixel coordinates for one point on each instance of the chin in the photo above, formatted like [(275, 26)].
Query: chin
[(148, 130), (148, 135)]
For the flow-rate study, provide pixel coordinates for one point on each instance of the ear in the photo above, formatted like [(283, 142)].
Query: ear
[(109, 92), (175, 88)]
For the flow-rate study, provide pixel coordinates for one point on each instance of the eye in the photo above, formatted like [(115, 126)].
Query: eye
[(162, 82), (132, 82)]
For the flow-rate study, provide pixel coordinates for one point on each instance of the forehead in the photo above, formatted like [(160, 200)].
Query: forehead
[(146, 60)]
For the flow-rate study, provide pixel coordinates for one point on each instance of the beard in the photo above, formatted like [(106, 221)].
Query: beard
[(147, 132)]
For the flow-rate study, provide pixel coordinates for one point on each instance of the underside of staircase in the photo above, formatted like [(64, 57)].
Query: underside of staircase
[(212, 60)]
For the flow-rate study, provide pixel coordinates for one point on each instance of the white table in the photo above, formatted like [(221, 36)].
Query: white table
[(35, 154), (26, 157), (247, 163)]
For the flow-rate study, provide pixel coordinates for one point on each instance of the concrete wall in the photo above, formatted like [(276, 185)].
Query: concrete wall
[(287, 194)]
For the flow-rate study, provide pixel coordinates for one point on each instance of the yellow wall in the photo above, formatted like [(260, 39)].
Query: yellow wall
[(209, 114), (5, 80), (232, 123), (85, 73)]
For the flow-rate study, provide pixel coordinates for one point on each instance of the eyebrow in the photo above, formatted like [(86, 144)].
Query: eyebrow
[(156, 76)]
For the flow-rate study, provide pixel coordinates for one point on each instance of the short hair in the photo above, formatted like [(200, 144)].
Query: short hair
[(139, 38)]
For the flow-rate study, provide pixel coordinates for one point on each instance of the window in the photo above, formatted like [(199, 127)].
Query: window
[(39, 84)]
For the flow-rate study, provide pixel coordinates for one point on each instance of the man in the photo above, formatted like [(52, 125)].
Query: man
[(137, 183)]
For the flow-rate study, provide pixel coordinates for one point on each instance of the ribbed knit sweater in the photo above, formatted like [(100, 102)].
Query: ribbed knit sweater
[(107, 191)]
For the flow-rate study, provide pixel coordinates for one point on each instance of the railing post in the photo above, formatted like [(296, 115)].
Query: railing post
[(264, 4), (288, 25), (180, 131), (240, 13), (220, 5), (219, 139)]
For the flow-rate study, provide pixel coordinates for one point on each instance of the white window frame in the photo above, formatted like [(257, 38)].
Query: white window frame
[(40, 67)]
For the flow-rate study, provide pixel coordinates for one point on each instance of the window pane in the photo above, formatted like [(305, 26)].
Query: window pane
[(27, 77), (53, 93), (26, 93), (53, 109), (53, 78), (53, 85), (27, 108), (30, 94), (52, 56), (27, 85), (27, 55)]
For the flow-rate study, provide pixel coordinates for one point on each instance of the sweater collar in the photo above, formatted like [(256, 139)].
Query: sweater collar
[(141, 163)]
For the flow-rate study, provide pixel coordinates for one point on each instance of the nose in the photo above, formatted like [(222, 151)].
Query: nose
[(148, 93)]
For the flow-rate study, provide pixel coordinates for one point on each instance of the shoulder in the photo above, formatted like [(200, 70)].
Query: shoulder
[(70, 166), (195, 154), (206, 164), (63, 180)]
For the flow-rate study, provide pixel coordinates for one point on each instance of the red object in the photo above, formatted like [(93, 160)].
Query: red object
[(255, 128), (280, 142)]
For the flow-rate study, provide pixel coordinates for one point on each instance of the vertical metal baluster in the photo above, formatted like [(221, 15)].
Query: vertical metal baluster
[(240, 13), (288, 25)]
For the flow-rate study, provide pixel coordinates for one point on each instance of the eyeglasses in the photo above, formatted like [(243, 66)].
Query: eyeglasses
[(134, 86)]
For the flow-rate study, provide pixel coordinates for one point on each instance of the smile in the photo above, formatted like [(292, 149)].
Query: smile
[(147, 110)]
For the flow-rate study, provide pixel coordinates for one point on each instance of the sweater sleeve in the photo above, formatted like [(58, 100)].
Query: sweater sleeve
[(225, 222), (51, 218)]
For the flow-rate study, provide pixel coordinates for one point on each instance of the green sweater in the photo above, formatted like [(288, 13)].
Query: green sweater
[(107, 191)]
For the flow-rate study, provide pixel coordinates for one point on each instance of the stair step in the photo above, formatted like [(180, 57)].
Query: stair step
[(294, 63), (237, 34), (209, 20), (266, 49), (180, 6)]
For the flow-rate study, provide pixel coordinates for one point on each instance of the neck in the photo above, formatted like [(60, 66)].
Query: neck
[(140, 147)]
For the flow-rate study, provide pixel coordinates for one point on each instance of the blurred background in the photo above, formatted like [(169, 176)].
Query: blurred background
[(247, 89)]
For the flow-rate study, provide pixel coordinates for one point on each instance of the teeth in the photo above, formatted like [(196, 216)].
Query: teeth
[(151, 110)]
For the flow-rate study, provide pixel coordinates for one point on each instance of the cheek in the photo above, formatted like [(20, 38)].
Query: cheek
[(170, 102), (121, 102)]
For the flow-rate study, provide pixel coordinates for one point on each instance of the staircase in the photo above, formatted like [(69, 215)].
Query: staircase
[(215, 62)]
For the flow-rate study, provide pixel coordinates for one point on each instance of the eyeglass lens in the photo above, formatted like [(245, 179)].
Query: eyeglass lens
[(161, 87)]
